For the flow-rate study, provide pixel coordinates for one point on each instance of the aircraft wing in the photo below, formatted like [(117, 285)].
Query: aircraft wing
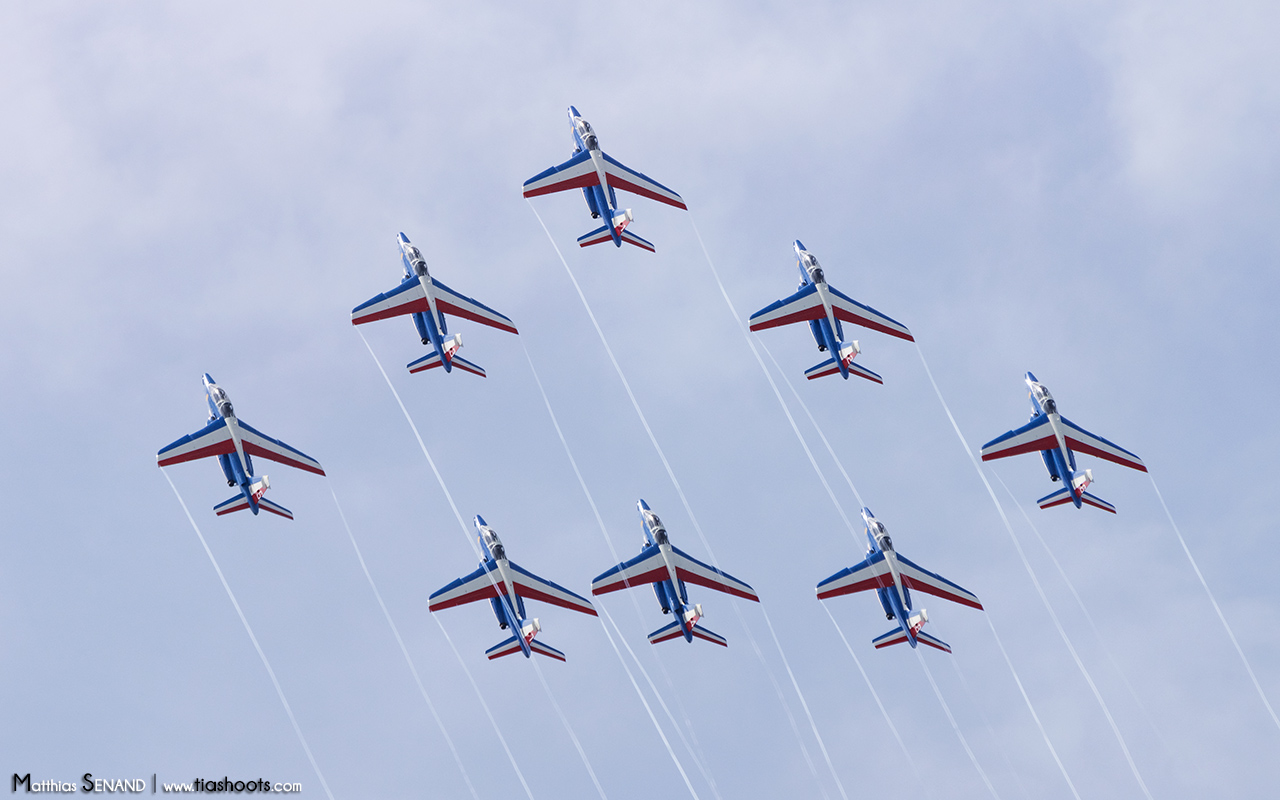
[(1036, 435), (872, 573), (451, 302), (576, 173), (257, 443), (646, 568), (849, 310), (691, 570), (479, 585), (922, 580), (406, 298), (623, 177), (534, 588), (212, 440), (802, 306), (1082, 441)]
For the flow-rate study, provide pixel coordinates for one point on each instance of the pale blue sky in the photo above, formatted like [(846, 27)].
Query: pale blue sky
[(1085, 191)]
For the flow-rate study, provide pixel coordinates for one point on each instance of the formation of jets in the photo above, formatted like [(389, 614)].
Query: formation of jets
[(660, 565)]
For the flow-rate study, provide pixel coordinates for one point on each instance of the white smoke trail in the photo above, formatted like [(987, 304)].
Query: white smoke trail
[(1004, 751), (270, 672), (573, 462), (685, 501), (569, 728), (928, 674), (448, 496), (1218, 609), (400, 641), (1133, 768)]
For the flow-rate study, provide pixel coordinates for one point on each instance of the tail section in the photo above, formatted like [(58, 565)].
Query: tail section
[(674, 631), (899, 634), (604, 234), (504, 648), (451, 347), (1063, 496), (848, 350), (240, 502), (527, 633)]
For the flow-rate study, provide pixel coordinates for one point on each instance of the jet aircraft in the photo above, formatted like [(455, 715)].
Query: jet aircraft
[(1056, 437), (824, 308), (426, 300), (233, 442), (893, 576), (668, 569), (598, 175), (504, 584)]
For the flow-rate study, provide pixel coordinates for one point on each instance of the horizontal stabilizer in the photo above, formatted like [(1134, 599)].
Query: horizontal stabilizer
[(830, 367), (673, 631), (546, 650), (240, 502), (898, 636), (1063, 496), (631, 238), (432, 360), (504, 648), (603, 234)]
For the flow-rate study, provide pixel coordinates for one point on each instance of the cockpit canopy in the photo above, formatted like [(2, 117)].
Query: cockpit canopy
[(1045, 399), (222, 402), (656, 527)]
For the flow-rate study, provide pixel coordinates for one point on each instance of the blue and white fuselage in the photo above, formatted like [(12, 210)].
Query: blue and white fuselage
[(892, 577), (233, 442), (598, 175), (667, 568), (824, 307), (431, 324), (1055, 437)]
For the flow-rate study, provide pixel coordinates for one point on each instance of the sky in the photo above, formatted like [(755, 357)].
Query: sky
[(1084, 190)]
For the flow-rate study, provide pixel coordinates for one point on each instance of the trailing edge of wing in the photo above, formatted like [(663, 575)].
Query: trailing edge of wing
[(802, 306), (212, 440), (576, 173), (872, 573), (624, 178), (257, 443), (534, 588), (922, 580), (1033, 437), (479, 585), (692, 570), (407, 298), (462, 306), (1082, 441), (849, 310)]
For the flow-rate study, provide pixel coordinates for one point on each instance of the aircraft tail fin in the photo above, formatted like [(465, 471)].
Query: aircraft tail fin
[(848, 350), (601, 235), (504, 648), (1063, 496), (433, 360), (673, 631), (240, 503)]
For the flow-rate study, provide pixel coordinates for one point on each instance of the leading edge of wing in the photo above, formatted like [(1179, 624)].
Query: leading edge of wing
[(392, 304), (802, 306), (871, 573), (257, 443), (922, 580), (646, 568), (465, 307), (692, 570), (625, 178), (212, 440), (532, 587), (468, 589), (849, 310), (576, 173), (1082, 441), (1027, 439)]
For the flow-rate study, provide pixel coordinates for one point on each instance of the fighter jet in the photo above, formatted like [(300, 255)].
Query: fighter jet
[(668, 569), (893, 576), (504, 584), (824, 308), (598, 175), (426, 300), (233, 442), (1055, 437)]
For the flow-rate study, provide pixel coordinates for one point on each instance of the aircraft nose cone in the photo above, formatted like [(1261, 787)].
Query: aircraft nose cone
[(208, 378), (403, 239), (1031, 377), (573, 112), (479, 521), (799, 245), (643, 505)]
